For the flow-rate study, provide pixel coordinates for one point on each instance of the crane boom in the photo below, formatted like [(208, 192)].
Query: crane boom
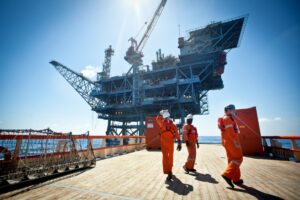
[(134, 53), (151, 25), (81, 84)]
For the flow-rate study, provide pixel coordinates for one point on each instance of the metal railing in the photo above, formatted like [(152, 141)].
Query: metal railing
[(109, 145), (33, 154), (282, 147)]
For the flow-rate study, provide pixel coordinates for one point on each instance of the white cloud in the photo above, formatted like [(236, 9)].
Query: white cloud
[(54, 125), (90, 71), (264, 119)]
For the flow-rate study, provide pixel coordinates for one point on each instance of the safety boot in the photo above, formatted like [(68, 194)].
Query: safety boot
[(185, 169), (228, 181), (240, 182), (169, 177)]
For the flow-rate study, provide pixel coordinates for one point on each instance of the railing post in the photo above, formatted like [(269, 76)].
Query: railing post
[(295, 147), (264, 141), (17, 149), (105, 152), (121, 144), (275, 143), (294, 144), (265, 145)]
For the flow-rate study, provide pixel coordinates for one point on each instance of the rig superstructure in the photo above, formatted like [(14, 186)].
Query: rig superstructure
[(179, 84)]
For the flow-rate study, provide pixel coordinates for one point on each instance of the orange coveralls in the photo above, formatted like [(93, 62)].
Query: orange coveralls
[(169, 132), (231, 143), (190, 134)]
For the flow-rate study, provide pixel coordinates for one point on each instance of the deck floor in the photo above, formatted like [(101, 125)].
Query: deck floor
[(139, 175)]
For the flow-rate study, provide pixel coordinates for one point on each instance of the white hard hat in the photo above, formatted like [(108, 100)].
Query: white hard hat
[(161, 112), (189, 116), (166, 114)]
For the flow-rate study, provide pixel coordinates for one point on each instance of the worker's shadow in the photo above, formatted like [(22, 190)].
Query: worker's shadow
[(204, 177), (178, 187), (256, 193)]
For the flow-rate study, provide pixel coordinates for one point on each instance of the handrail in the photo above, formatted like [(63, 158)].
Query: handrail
[(297, 137), (275, 148), (79, 151), (114, 136), (2, 137), (124, 143), (31, 154)]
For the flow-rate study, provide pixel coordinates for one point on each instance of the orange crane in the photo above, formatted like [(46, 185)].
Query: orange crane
[(134, 53)]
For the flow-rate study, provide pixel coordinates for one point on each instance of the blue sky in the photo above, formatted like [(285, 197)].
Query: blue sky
[(262, 72)]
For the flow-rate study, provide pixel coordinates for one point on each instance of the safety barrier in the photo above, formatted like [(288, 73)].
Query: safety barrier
[(282, 147), (32, 154), (107, 146)]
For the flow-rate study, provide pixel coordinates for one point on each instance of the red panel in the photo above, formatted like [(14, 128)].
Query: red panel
[(250, 133), (152, 133)]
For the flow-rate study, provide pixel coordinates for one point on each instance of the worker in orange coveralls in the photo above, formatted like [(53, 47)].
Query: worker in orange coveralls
[(168, 133), (190, 137), (231, 143)]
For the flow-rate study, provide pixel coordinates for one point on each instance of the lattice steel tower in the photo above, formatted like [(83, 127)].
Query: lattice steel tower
[(106, 66)]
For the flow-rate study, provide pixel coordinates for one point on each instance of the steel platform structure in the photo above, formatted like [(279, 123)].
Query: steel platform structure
[(181, 87)]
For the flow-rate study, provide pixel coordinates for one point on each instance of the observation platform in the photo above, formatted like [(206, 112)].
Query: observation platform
[(139, 175)]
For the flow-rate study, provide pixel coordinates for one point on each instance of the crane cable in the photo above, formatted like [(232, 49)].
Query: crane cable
[(141, 29), (252, 130)]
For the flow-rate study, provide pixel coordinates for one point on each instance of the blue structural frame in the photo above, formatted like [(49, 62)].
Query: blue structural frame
[(125, 101)]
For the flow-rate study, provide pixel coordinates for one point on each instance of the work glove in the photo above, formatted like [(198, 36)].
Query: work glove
[(197, 145), (187, 143), (179, 146)]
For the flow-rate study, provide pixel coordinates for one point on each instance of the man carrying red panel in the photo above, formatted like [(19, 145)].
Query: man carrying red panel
[(231, 143)]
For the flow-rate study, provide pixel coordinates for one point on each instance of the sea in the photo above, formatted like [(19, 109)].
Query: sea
[(217, 140), (209, 139)]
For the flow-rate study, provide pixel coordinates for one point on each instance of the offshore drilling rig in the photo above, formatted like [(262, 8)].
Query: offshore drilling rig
[(179, 84)]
